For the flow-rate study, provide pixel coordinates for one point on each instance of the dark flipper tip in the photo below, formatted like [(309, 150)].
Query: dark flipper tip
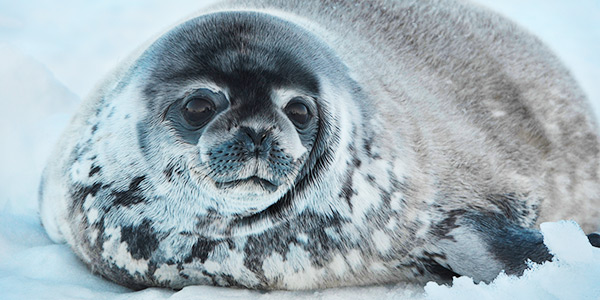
[(594, 239)]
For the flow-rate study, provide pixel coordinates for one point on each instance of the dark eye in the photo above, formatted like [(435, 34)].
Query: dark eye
[(298, 112), (198, 111)]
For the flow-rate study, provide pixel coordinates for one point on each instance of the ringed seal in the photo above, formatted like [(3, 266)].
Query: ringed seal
[(310, 144)]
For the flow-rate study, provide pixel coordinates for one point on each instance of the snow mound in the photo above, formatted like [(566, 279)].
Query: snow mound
[(35, 109)]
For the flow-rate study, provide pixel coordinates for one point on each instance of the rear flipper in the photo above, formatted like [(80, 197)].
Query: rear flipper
[(483, 244), (594, 239)]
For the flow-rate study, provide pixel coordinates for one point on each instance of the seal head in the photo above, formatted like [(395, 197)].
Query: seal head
[(246, 111), (241, 115)]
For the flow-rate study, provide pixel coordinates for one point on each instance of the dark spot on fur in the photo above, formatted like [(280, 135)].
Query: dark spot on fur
[(371, 179), (131, 196), (357, 162), (255, 254), (141, 240), (230, 244), (230, 281), (321, 246), (270, 241), (386, 197), (431, 265), (122, 276), (94, 170), (347, 191), (367, 146), (169, 172), (81, 192), (99, 226), (201, 250), (443, 228), (151, 269), (135, 183)]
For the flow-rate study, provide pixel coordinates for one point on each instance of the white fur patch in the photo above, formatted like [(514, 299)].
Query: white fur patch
[(212, 266), (272, 265), (298, 258), (93, 236), (338, 265), (396, 201), (391, 225), (92, 215), (354, 259), (367, 197), (377, 267), (381, 241), (498, 113), (80, 170), (166, 272), (302, 237)]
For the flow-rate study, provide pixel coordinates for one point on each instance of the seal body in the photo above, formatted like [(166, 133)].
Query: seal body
[(310, 144)]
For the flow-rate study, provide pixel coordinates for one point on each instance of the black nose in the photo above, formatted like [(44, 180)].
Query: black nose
[(256, 142)]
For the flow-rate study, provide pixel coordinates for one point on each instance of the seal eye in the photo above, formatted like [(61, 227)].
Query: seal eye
[(297, 112), (198, 111)]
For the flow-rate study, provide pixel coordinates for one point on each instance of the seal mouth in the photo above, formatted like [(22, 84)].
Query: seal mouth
[(253, 180)]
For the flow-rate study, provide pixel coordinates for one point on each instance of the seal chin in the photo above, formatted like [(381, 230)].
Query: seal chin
[(251, 184), (247, 197)]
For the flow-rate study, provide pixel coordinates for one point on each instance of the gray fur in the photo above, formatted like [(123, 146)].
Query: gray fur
[(442, 136)]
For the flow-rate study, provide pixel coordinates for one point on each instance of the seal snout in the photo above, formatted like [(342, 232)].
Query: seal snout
[(251, 159), (257, 143)]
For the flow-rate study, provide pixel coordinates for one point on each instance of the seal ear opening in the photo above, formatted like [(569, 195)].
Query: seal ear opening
[(483, 244)]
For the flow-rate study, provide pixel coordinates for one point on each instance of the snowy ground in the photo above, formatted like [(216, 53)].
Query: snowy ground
[(53, 52)]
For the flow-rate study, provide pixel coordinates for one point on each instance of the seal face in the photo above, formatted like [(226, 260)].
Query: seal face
[(272, 146), (253, 124)]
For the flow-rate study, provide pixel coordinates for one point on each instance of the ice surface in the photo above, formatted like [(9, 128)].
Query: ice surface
[(48, 61)]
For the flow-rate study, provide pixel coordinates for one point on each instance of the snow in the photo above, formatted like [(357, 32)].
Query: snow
[(48, 61), (35, 108)]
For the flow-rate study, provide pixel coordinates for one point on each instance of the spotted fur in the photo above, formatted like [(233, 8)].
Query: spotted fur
[(440, 136)]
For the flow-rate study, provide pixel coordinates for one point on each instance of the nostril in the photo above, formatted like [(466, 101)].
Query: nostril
[(257, 142), (258, 138), (251, 134)]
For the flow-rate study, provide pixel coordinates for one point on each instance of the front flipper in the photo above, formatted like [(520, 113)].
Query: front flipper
[(482, 244)]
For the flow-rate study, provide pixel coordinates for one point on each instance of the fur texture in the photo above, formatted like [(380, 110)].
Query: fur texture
[(438, 137)]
